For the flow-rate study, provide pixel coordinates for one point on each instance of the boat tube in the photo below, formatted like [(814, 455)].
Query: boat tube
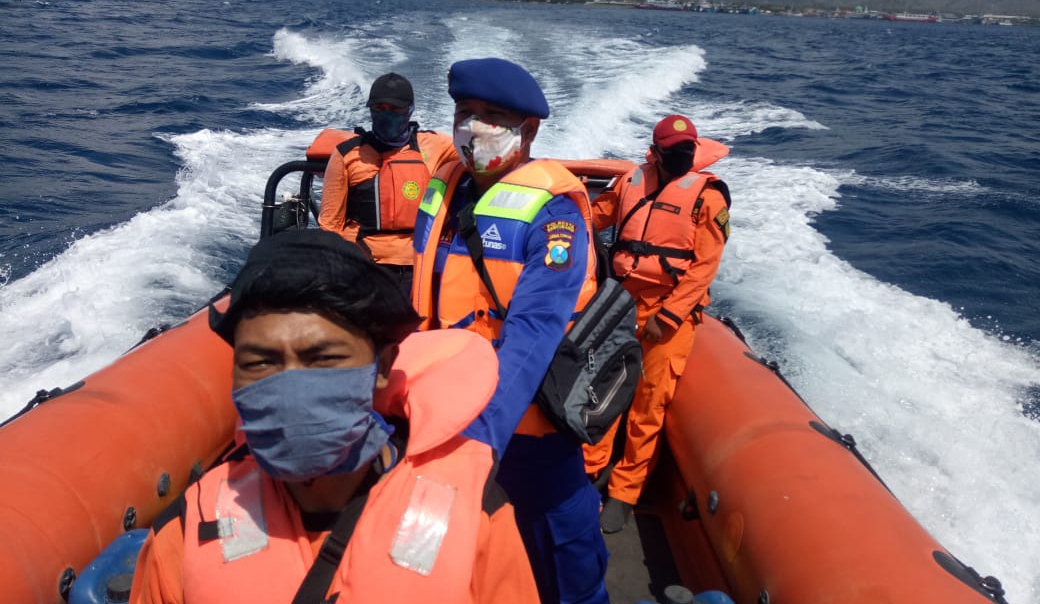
[(106, 455), (768, 503)]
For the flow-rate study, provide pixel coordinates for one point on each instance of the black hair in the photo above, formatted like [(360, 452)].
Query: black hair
[(319, 271)]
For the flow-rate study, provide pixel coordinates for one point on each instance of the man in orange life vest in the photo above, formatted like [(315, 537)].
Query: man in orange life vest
[(672, 222), (353, 482), (530, 224), (375, 179)]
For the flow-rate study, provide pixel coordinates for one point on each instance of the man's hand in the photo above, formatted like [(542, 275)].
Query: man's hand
[(655, 330)]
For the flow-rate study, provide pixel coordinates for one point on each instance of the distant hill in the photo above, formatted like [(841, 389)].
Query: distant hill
[(1019, 8), (1025, 8)]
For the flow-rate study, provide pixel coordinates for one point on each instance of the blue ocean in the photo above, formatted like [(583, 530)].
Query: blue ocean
[(886, 218)]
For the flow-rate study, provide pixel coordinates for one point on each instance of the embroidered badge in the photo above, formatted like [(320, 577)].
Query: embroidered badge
[(722, 219), (411, 190), (560, 235)]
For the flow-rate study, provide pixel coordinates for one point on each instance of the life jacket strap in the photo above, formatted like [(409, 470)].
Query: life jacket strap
[(321, 573), (642, 248)]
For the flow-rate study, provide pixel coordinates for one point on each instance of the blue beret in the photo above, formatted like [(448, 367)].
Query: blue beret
[(498, 82)]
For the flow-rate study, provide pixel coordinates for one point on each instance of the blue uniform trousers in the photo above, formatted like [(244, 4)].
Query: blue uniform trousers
[(557, 511)]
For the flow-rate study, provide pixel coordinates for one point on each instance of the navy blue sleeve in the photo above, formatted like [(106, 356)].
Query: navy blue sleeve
[(555, 259)]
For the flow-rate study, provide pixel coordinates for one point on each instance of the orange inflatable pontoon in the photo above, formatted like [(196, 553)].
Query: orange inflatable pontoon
[(761, 499), (107, 456)]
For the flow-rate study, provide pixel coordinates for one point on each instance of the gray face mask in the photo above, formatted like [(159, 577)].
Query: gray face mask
[(305, 423)]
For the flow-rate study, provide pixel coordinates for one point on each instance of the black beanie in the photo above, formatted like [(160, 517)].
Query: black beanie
[(318, 270)]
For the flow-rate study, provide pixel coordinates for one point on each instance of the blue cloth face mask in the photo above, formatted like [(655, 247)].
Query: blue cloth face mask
[(305, 423), (391, 127)]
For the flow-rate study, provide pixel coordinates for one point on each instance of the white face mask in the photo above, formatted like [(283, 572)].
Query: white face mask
[(485, 147)]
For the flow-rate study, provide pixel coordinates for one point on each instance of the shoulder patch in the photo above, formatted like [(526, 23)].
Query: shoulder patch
[(559, 237), (722, 220)]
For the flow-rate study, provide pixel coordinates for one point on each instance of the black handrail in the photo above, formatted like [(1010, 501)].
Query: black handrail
[(310, 169)]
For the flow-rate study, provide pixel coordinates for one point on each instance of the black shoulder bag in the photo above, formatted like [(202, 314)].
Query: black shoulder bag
[(593, 375)]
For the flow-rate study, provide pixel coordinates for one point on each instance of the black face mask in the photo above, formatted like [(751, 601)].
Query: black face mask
[(391, 127), (677, 159)]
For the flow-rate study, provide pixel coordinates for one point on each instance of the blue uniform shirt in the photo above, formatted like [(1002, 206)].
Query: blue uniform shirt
[(539, 311)]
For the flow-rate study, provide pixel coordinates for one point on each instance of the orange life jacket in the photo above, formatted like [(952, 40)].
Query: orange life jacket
[(418, 533), (503, 214), (656, 229), (388, 197)]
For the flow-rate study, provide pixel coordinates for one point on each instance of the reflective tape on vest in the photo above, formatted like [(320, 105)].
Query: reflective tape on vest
[(433, 198), (513, 202)]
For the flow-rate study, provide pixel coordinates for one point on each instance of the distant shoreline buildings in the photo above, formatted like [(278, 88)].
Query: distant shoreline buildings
[(857, 12)]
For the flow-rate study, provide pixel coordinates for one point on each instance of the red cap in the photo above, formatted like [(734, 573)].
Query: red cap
[(674, 129)]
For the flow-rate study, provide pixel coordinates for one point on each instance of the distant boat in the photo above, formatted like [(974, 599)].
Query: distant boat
[(910, 17)]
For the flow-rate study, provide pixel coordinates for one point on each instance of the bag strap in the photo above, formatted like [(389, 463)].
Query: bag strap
[(468, 231), (314, 586), (603, 264)]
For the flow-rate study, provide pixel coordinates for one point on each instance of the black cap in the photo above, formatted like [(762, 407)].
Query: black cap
[(393, 89), (318, 270)]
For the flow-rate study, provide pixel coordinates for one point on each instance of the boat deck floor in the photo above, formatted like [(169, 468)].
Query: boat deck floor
[(640, 565)]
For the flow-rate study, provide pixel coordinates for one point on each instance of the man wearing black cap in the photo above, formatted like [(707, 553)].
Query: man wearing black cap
[(504, 248), (352, 480), (375, 179)]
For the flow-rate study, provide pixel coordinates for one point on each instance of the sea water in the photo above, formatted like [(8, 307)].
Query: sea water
[(884, 176)]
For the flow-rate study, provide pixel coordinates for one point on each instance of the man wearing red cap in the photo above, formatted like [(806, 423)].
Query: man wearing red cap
[(375, 179), (504, 248), (671, 223)]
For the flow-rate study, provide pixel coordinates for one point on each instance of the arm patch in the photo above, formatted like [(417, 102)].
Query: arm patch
[(722, 220)]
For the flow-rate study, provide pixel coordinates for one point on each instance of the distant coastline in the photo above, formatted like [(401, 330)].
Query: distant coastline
[(1008, 13)]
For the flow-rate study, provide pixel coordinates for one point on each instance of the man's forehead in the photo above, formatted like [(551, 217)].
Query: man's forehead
[(482, 106)]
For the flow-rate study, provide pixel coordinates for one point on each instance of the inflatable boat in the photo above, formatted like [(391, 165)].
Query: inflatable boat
[(754, 495)]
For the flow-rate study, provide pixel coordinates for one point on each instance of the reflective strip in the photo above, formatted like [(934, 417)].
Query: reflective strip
[(514, 202), (687, 181), (433, 197)]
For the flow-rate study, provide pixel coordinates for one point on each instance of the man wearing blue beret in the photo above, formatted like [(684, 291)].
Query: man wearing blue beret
[(504, 248)]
